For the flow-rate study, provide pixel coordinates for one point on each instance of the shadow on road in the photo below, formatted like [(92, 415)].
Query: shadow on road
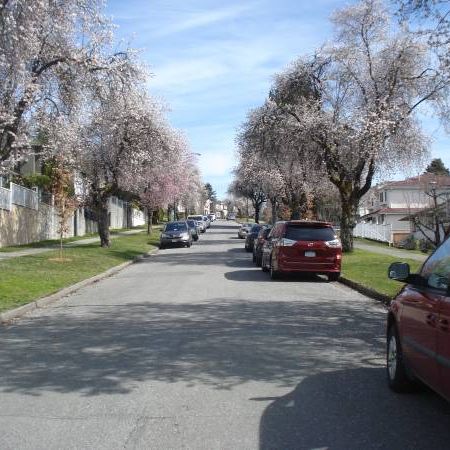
[(353, 410), (187, 257), (101, 349), (259, 275)]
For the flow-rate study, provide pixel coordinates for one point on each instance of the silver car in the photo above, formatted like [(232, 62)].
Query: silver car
[(201, 223), (244, 230)]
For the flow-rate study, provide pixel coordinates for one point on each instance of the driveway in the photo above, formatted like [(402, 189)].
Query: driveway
[(197, 349)]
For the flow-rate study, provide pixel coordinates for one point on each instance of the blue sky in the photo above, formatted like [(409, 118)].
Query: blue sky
[(212, 61)]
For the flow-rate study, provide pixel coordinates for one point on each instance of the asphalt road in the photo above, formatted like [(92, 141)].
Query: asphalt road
[(197, 349)]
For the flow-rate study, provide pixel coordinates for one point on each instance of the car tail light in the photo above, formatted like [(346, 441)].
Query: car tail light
[(287, 242), (335, 243)]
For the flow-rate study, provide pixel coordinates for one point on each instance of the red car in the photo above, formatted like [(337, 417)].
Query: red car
[(302, 246), (418, 326)]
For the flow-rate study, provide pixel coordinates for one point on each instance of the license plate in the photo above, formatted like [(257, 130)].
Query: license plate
[(174, 240), (310, 254)]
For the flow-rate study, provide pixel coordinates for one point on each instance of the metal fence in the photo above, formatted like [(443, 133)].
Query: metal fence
[(5, 198), (374, 231), (24, 197)]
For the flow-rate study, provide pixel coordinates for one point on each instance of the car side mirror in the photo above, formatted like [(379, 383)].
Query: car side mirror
[(399, 271)]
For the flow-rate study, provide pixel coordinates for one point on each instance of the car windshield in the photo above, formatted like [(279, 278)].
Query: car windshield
[(195, 217), (177, 226), (191, 223), (302, 233)]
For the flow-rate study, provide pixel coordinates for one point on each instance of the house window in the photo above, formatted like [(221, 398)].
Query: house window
[(381, 219), (383, 197)]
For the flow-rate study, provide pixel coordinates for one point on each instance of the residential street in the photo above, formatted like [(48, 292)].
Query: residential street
[(195, 348)]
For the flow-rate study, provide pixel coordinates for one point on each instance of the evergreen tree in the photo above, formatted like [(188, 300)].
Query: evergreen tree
[(437, 167)]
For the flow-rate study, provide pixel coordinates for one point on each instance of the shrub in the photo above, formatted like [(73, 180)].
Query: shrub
[(425, 245), (410, 243)]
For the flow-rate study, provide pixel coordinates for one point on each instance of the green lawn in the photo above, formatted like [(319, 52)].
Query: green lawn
[(29, 277), (386, 245), (56, 242), (370, 270)]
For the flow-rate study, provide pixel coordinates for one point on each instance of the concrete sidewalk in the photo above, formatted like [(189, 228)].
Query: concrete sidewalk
[(396, 252), (34, 251)]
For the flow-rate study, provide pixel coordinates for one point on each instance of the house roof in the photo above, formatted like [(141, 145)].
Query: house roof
[(394, 211), (443, 207), (419, 181)]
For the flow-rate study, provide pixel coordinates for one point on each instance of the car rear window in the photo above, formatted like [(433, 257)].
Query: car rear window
[(302, 233), (176, 227)]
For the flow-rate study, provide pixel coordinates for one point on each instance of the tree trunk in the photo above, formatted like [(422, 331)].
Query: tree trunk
[(149, 221), (257, 210), (295, 209), (103, 225), (348, 212), (273, 202)]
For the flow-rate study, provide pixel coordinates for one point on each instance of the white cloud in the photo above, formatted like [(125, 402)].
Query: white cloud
[(204, 18), (186, 72)]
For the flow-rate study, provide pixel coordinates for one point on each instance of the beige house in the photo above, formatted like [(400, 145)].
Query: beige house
[(386, 204)]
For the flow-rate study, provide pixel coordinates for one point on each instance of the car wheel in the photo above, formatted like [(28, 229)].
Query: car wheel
[(333, 276), (274, 274), (248, 249), (397, 375), (264, 267), (161, 247), (254, 257), (258, 261), (188, 244)]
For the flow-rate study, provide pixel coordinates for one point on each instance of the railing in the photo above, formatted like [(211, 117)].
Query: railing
[(373, 231), (5, 198), (24, 197)]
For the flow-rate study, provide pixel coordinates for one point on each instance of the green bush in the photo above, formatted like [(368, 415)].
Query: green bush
[(410, 243)]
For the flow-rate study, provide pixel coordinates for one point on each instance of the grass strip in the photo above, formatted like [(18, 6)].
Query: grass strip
[(370, 270), (56, 242), (27, 278)]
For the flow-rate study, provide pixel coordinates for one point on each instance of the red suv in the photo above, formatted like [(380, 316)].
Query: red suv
[(418, 326), (302, 246)]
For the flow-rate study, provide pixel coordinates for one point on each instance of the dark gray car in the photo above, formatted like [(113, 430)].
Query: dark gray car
[(175, 233)]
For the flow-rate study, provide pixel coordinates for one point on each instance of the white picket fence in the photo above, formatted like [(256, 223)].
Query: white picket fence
[(374, 231)]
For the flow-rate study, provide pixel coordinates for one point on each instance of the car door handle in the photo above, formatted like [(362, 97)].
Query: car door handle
[(443, 324), (431, 320)]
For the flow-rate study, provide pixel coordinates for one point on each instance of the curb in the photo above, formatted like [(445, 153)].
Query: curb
[(8, 317), (366, 291)]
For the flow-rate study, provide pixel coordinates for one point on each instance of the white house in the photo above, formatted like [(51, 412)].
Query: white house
[(387, 203)]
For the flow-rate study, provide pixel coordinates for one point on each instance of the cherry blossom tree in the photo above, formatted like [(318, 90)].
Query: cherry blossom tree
[(357, 101), (115, 143), (47, 49)]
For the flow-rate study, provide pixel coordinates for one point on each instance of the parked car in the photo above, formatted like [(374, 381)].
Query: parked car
[(244, 230), (198, 218), (201, 226), (193, 228), (302, 246), (259, 243), (207, 221), (418, 325), (175, 233), (251, 236), (212, 217), (231, 216)]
